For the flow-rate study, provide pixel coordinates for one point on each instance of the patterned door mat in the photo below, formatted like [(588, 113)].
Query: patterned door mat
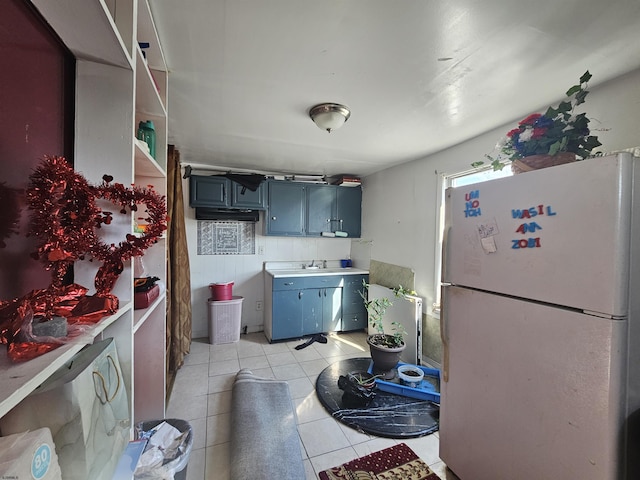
[(394, 463)]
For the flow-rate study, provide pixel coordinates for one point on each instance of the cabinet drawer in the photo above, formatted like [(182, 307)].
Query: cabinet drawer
[(321, 281), (354, 321), (354, 282), (288, 283), (352, 303)]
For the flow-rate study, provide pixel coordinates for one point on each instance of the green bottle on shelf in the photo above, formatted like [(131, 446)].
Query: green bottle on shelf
[(147, 133)]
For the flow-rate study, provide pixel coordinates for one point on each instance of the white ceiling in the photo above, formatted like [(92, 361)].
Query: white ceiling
[(418, 75)]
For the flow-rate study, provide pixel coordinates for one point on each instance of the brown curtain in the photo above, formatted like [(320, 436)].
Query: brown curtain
[(178, 273)]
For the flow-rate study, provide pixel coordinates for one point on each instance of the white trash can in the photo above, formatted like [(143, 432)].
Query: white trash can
[(225, 317)]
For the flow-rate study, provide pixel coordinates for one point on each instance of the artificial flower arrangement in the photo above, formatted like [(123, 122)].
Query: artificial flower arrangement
[(557, 130)]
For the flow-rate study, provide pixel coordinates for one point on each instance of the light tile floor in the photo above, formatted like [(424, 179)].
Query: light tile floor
[(202, 396)]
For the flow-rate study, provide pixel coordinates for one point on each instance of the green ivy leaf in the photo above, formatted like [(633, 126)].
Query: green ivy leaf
[(591, 142), (586, 76), (574, 89), (580, 96)]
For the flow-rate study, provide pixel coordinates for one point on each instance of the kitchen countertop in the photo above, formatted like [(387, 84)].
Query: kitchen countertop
[(308, 272)]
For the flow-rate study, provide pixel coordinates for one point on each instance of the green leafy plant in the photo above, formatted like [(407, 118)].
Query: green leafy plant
[(376, 308), (363, 378), (557, 130)]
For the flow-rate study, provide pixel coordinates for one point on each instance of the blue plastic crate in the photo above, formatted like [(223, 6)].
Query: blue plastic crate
[(429, 388)]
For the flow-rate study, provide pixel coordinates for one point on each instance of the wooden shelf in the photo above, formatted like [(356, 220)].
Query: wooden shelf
[(79, 23), (139, 316), (20, 379), (145, 164), (116, 87)]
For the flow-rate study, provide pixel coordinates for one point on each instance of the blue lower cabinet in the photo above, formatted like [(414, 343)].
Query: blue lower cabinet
[(316, 304), (332, 309), (322, 310), (354, 313), (287, 314), (312, 311)]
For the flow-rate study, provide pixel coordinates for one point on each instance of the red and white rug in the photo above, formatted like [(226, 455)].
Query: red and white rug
[(394, 463)]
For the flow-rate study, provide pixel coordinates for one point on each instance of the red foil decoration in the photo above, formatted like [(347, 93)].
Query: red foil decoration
[(64, 217)]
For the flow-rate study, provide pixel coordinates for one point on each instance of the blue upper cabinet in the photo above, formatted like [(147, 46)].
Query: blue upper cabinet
[(243, 197), (331, 208), (307, 209), (286, 209), (209, 191), (216, 191), (321, 209), (349, 210)]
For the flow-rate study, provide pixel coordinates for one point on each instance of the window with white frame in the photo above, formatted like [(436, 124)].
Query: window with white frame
[(445, 181)]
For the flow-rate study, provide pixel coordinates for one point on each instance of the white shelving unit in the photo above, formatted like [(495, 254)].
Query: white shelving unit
[(116, 87)]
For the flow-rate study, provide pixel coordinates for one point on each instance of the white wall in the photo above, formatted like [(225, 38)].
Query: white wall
[(399, 204), (246, 270)]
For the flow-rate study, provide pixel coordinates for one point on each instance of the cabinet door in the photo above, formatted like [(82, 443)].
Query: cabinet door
[(349, 210), (287, 314), (312, 310), (332, 309), (321, 209), (286, 209), (242, 197), (208, 191)]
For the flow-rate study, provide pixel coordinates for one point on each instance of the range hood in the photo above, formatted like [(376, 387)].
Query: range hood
[(227, 214)]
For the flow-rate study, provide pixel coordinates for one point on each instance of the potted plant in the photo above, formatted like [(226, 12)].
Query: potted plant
[(385, 347), (555, 137)]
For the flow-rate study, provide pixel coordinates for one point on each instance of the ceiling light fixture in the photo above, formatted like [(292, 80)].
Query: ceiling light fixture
[(329, 116)]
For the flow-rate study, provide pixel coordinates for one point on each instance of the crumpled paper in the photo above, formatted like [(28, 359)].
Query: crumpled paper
[(164, 445)]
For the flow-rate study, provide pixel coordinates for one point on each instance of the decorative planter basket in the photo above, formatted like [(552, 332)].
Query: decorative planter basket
[(535, 162)]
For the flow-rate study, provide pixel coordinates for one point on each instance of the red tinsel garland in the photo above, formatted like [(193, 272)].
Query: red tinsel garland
[(113, 256), (64, 217), (63, 214)]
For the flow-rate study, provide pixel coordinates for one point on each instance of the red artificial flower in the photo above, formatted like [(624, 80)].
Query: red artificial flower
[(530, 120), (513, 132), (539, 132)]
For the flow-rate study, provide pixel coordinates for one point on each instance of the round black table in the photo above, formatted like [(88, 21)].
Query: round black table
[(387, 415)]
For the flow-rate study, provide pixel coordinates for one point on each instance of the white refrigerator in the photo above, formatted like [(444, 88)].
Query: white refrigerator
[(541, 358)]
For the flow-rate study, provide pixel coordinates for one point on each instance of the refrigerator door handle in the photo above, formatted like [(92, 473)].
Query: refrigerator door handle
[(445, 254), (444, 335)]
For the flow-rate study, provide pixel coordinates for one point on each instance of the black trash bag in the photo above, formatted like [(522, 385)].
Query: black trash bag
[(248, 180)]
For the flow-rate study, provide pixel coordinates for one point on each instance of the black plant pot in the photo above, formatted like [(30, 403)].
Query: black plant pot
[(384, 358)]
